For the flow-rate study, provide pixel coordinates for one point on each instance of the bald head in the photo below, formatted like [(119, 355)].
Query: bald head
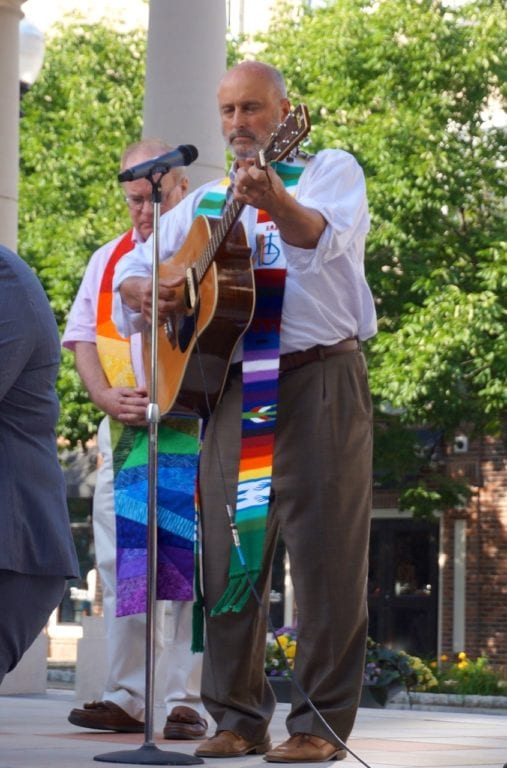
[(252, 101), (259, 71)]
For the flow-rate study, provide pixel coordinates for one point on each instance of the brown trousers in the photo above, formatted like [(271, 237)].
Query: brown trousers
[(321, 501)]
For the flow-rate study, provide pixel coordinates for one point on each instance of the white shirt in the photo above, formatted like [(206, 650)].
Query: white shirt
[(326, 298)]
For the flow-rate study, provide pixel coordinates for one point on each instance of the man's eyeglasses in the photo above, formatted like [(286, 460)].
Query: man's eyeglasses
[(136, 202)]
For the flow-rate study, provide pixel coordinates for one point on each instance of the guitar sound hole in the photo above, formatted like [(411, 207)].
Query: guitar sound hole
[(186, 330), (169, 332)]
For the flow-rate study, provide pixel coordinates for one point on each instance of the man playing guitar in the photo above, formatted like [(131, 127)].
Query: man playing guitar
[(287, 448)]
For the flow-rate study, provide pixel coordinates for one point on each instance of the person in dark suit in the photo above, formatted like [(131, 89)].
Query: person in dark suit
[(37, 552)]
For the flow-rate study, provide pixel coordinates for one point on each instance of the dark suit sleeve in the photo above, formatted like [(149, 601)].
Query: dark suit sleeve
[(16, 330)]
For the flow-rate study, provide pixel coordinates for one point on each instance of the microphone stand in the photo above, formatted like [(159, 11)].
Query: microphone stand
[(149, 753)]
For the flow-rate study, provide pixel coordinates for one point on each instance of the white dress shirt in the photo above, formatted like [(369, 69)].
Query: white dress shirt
[(326, 298)]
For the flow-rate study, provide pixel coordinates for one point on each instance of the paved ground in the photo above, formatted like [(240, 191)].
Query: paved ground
[(34, 733)]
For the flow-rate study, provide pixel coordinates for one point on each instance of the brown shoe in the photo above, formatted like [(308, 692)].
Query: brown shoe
[(105, 716), (185, 723), (305, 748), (230, 744)]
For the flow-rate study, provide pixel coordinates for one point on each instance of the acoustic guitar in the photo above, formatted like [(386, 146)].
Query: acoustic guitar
[(196, 346)]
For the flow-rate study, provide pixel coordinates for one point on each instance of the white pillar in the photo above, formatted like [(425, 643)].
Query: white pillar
[(186, 58), (459, 603), (10, 15)]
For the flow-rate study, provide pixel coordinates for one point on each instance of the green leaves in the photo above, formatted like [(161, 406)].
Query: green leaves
[(452, 351), (407, 87), (404, 86), (79, 115)]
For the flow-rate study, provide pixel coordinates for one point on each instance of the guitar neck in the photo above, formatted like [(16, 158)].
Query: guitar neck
[(224, 225)]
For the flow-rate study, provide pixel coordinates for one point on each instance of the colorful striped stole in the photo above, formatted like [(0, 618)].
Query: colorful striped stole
[(178, 449), (113, 349), (261, 351)]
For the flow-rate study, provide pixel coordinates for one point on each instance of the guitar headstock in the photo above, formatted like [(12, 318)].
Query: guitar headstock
[(287, 136)]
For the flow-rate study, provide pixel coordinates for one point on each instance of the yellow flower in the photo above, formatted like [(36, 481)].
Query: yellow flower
[(290, 651), (462, 655), (444, 657)]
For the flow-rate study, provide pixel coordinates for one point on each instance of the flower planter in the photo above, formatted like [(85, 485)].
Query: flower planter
[(448, 702), (369, 698), (379, 696)]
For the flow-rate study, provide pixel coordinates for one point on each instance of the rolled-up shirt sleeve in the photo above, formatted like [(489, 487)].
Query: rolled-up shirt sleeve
[(334, 185)]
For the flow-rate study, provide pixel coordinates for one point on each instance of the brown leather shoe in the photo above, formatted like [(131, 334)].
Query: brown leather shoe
[(305, 748), (185, 723), (105, 716), (230, 744)]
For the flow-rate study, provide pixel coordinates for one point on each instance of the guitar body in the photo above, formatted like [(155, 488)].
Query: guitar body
[(195, 354)]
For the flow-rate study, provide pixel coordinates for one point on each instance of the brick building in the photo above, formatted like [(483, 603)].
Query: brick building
[(452, 595), (474, 540)]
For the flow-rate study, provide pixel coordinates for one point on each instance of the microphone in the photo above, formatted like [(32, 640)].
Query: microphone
[(182, 155)]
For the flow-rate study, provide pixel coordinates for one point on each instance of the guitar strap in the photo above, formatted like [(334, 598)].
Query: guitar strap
[(261, 351), (178, 448)]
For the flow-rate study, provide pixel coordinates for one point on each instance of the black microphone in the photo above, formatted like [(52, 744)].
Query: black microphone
[(182, 155)]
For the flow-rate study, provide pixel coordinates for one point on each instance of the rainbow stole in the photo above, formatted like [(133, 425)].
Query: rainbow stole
[(178, 449), (261, 352), (113, 349)]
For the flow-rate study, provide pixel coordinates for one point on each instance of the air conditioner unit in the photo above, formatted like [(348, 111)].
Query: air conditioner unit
[(460, 444)]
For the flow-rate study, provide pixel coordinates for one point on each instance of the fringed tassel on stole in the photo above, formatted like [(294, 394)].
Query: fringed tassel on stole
[(237, 594)]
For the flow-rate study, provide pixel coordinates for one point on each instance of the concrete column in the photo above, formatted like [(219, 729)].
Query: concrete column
[(10, 15), (186, 58), (459, 599)]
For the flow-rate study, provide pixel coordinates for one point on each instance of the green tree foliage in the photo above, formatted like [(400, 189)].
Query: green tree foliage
[(406, 85), (82, 111)]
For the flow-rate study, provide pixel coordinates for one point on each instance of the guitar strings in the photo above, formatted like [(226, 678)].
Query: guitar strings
[(291, 675)]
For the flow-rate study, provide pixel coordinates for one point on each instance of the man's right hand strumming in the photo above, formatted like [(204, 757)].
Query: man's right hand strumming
[(136, 292)]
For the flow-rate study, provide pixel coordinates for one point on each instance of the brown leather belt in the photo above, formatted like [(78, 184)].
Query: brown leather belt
[(293, 360)]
